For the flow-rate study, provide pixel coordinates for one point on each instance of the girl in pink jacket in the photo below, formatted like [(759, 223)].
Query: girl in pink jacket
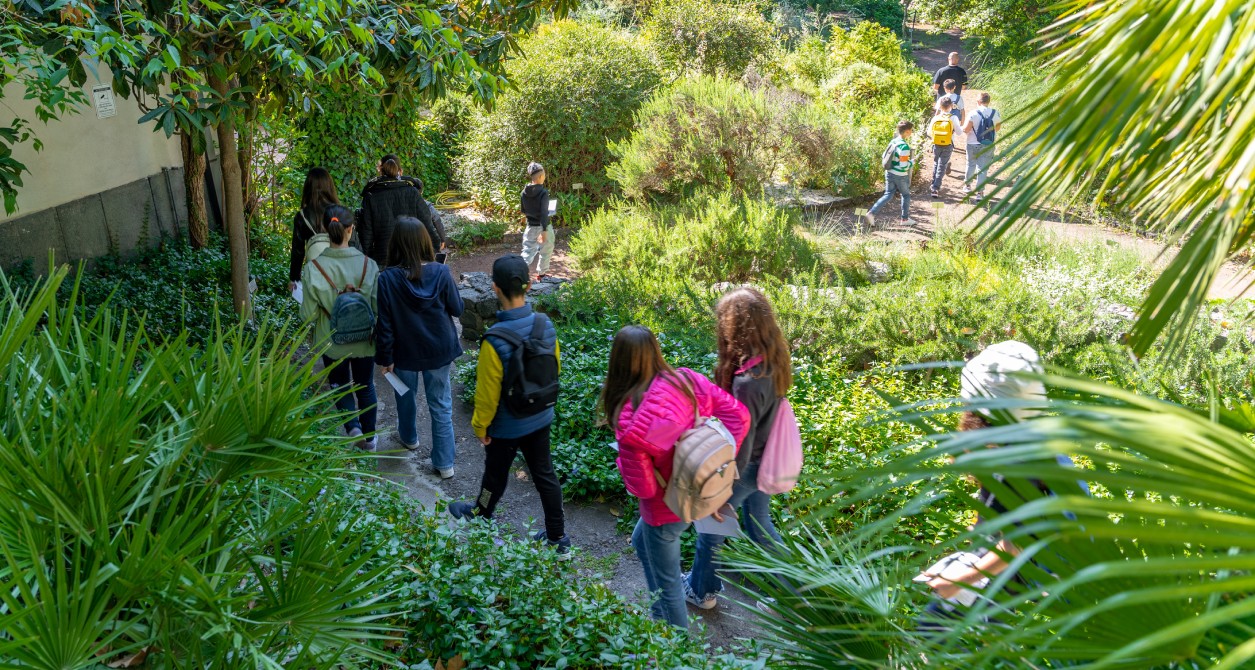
[(650, 405)]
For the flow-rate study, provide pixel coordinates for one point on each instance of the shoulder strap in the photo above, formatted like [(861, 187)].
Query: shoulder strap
[(749, 365), (538, 326), (325, 276), (365, 267), (512, 338), (308, 225)]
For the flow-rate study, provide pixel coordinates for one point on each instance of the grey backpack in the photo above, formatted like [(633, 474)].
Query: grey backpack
[(352, 319), (703, 471)]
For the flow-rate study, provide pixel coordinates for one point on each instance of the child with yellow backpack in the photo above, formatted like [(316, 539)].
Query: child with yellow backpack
[(941, 129)]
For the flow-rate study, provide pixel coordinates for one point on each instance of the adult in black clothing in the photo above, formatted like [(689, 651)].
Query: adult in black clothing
[(318, 194), (951, 71), (387, 197)]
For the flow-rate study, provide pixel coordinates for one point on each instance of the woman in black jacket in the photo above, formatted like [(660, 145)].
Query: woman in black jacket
[(318, 194), (385, 198)]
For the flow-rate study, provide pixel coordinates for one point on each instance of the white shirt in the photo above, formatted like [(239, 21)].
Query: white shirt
[(969, 127)]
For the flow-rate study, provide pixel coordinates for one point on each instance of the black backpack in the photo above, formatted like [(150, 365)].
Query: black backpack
[(529, 383)]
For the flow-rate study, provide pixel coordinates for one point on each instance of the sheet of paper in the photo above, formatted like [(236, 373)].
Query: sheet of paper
[(298, 294), (397, 385), (729, 527), (553, 206)]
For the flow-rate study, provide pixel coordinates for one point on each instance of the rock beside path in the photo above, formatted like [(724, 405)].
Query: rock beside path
[(481, 302)]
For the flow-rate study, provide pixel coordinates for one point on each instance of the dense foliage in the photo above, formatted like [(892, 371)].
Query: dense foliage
[(346, 132), (577, 88), (709, 36), (1005, 30)]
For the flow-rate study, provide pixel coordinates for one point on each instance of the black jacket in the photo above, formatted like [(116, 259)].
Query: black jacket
[(756, 389), (382, 202), (535, 205)]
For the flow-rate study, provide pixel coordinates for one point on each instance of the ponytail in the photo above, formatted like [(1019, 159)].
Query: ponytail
[(337, 220), (390, 166)]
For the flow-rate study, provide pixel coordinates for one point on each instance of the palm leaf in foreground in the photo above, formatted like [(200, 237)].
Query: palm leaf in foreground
[(1150, 108), (1157, 574)]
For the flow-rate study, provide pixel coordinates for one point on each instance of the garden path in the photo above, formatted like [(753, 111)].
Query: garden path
[(930, 48), (603, 553)]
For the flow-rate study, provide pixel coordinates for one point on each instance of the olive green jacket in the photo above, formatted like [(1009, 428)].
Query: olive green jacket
[(344, 267)]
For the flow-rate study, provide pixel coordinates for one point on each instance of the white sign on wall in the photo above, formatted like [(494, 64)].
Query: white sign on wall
[(102, 97)]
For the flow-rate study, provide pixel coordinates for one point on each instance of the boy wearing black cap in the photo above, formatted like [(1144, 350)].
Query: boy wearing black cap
[(503, 432)]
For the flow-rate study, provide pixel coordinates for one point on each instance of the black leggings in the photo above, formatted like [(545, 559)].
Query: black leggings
[(499, 455)]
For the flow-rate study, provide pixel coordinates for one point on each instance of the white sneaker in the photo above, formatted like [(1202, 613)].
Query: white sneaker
[(444, 473), (871, 219), (707, 603)]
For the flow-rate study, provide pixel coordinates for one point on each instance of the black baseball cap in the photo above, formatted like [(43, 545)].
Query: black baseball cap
[(510, 273)]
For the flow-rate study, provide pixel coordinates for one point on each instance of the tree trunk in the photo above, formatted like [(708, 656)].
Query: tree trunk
[(245, 155), (233, 195), (194, 188)]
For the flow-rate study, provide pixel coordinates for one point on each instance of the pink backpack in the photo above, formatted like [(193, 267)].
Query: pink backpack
[(782, 455)]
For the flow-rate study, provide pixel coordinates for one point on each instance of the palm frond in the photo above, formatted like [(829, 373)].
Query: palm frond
[(1149, 107)]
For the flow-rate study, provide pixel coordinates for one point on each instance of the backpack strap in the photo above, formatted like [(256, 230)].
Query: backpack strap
[(308, 225), (325, 276), (538, 326), (365, 267), (749, 365), (511, 338)]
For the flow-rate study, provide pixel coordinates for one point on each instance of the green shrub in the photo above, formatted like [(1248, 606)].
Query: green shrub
[(701, 133), (506, 603), (828, 153), (577, 88), (709, 36), (466, 234), (888, 13), (868, 43), (347, 130), (858, 82), (711, 238)]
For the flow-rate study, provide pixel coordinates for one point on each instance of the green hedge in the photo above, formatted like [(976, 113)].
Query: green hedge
[(576, 89), (347, 130)]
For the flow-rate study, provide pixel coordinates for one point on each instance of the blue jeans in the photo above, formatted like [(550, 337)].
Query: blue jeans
[(359, 373), (895, 183), (755, 508), (439, 392), (658, 547)]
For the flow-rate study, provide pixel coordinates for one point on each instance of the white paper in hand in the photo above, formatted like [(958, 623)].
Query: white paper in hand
[(729, 527), (553, 206), (298, 294), (397, 385)]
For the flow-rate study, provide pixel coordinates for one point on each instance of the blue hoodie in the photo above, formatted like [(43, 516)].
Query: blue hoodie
[(416, 330)]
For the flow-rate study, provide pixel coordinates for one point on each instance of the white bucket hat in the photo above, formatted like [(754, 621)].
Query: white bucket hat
[(996, 373)]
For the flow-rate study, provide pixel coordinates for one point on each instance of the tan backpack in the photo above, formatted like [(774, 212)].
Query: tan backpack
[(703, 472)]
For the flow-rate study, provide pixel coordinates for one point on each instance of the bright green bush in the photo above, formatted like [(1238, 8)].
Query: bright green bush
[(888, 13), (869, 43), (465, 234), (711, 238), (709, 36), (164, 499), (577, 88), (701, 133), (347, 130), (829, 153)]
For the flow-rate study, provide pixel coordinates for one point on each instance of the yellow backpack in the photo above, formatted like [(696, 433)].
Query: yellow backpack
[(942, 131)]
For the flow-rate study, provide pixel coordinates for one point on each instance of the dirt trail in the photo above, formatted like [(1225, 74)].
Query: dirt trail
[(603, 554), (930, 51)]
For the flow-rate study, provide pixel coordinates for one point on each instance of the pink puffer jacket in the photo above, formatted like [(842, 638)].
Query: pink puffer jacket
[(647, 435)]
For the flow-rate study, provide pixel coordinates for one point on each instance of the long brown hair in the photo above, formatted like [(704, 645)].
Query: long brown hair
[(318, 194), (410, 247), (747, 328), (635, 362), (390, 166)]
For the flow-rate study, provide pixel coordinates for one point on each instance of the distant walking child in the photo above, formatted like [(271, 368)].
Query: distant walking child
[(417, 340), (897, 163), (755, 366), (339, 298), (538, 238), (516, 387), (650, 405), (981, 128), (941, 130)]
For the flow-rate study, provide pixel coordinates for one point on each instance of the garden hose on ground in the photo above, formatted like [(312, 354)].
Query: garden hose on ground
[(453, 200)]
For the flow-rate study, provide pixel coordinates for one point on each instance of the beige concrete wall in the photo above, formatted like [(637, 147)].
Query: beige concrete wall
[(84, 155)]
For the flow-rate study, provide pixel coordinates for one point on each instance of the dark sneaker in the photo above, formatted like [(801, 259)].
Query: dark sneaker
[(562, 546), (460, 509), (935, 194)]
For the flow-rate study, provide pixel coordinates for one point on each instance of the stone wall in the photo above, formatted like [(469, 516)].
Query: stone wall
[(481, 302), (117, 220)]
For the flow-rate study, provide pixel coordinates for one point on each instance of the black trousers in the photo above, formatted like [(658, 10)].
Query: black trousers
[(499, 455)]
